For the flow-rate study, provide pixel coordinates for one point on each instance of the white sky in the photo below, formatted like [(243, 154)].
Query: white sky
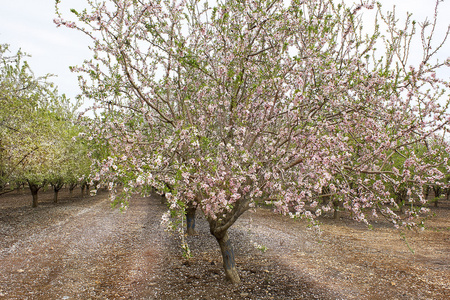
[(28, 24)]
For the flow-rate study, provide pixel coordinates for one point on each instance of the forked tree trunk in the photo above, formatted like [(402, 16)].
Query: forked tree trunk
[(71, 188), (56, 189), (190, 219), (34, 188), (229, 263)]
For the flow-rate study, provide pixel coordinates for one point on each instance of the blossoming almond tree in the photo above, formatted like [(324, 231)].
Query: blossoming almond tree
[(233, 102)]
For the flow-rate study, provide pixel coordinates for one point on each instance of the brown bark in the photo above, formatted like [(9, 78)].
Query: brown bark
[(437, 194), (56, 188), (34, 188), (190, 219), (427, 192), (35, 199), (219, 229), (335, 213), (229, 263), (71, 188)]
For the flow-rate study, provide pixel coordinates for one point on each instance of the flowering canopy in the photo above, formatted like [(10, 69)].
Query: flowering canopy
[(234, 102), (36, 127)]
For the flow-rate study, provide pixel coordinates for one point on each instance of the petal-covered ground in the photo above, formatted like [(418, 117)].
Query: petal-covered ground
[(80, 248)]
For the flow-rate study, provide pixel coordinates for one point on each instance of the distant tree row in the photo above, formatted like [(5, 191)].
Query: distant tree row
[(38, 144)]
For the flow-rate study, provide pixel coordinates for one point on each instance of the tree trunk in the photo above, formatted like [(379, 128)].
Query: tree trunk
[(35, 199), (190, 219), (427, 192), (56, 188), (55, 196), (19, 188), (34, 188), (437, 194), (229, 263), (71, 188), (336, 209)]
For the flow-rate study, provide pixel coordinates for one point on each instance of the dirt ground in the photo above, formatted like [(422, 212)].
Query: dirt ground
[(81, 249)]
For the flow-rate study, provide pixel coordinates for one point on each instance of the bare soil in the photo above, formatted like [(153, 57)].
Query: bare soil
[(79, 248)]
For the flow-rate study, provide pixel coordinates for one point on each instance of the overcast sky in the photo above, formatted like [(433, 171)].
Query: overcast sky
[(28, 24)]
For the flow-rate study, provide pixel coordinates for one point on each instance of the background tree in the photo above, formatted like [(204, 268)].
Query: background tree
[(78, 165), (70, 163), (17, 88), (440, 187), (36, 124), (234, 101), (23, 98)]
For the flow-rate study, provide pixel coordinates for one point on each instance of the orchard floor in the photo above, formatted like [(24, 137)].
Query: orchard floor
[(81, 249)]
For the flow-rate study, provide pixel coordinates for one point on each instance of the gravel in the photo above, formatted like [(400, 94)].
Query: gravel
[(79, 248)]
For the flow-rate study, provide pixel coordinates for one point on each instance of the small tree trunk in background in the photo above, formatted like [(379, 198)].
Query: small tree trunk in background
[(229, 263), (56, 188), (437, 194), (336, 210), (190, 219), (427, 192), (34, 188), (71, 188), (83, 187), (35, 199), (19, 188), (55, 196)]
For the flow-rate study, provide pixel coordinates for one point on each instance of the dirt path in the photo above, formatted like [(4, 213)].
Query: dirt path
[(357, 263), (81, 249)]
